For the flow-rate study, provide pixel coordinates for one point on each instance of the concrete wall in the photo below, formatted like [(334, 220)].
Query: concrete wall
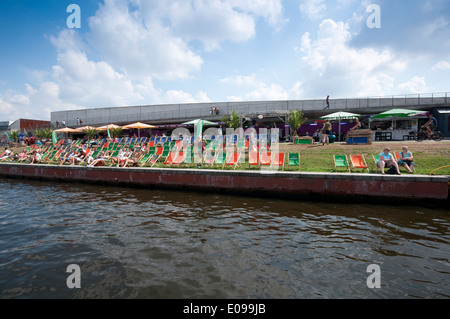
[(178, 113), (424, 189)]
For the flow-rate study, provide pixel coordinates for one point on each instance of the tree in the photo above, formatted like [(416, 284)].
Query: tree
[(115, 132), (295, 119), (234, 121), (14, 136), (90, 132), (45, 133)]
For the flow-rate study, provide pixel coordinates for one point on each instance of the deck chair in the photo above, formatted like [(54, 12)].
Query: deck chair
[(253, 159), (358, 162), (153, 159), (278, 160), (188, 159), (293, 159), (265, 159), (376, 158), (341, 161), (397, 157), (220, 159), (144, 159), (232, 159), (171, 158)]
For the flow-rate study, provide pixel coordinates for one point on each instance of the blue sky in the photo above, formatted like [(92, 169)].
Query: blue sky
[(140, 52)]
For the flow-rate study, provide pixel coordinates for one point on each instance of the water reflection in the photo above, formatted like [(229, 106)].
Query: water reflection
[(137, 243)]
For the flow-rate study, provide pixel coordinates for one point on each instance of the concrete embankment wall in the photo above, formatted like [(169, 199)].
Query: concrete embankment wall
[(321, 186)]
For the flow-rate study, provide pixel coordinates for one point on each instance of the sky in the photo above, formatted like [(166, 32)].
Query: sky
[(142, 52)]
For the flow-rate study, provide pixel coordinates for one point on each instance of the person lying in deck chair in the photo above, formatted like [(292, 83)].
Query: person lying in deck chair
[(100, 160)]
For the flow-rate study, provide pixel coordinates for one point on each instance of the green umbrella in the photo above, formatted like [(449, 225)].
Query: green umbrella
[(198, 125), (340, 116), (398, 113)]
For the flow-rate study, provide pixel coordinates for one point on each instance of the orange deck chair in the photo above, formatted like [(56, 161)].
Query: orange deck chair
[(358, 162)]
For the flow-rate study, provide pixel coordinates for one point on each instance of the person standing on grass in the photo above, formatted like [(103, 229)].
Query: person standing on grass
[(326, 132)]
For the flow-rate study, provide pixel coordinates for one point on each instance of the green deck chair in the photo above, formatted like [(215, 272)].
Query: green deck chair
[(293, 159), (341, 161)]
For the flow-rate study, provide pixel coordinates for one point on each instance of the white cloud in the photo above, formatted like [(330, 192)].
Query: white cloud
[(330, 65), (416, 85), (139, 47), (313, 9), (442, 65)]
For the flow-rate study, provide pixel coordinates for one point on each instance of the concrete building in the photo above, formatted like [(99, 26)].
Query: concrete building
[(25, 125), (263, 112)]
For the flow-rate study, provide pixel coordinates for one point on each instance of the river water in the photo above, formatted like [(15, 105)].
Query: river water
[(137, 243)]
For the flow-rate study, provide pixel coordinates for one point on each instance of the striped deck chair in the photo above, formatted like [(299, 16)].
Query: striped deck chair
[(358, 162)]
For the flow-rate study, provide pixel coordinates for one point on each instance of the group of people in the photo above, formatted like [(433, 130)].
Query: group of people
[(214, 110), (387, 160)]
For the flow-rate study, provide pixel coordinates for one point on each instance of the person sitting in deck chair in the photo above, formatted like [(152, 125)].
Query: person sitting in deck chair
[(406, 159), (387, 160)]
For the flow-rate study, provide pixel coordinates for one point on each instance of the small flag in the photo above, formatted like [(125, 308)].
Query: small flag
[(107, 128), (9, 138)]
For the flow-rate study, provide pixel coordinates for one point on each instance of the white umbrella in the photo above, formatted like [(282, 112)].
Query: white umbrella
[(340, 116)]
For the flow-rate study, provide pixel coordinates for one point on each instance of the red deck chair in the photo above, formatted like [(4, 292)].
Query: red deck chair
[(358, 162), (171, 158), (232, 160), (266, 158), (278, 159), (253, 159)]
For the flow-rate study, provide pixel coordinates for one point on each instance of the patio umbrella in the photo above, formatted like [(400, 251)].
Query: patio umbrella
[(106, 127), (87, 128), (340, 116), (198, 125), (67, 130), (398, 113), (138, 125)]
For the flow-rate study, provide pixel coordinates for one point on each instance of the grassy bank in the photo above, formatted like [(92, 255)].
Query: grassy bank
[(428, 155)]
